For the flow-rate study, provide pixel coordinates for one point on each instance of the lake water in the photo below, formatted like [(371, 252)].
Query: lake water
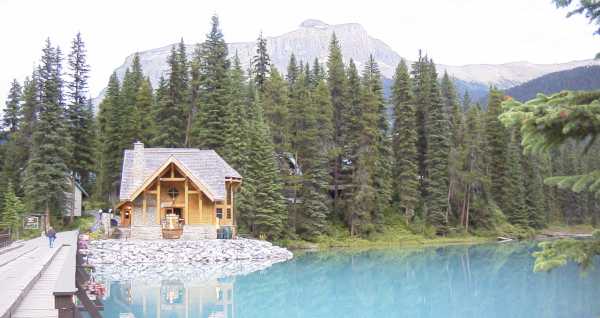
[(493, 280)]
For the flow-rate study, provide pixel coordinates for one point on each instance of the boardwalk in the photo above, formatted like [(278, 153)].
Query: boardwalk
[(28, 276)]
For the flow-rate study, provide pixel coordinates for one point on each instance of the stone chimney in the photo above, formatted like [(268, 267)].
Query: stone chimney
[(138, 163)]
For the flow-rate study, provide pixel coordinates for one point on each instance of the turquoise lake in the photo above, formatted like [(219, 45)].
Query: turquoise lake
[(491, 280)]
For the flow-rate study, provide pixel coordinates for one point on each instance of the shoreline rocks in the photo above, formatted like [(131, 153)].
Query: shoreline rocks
[(179, 259)]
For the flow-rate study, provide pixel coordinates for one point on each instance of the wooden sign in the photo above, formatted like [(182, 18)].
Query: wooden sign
[(31, 223)]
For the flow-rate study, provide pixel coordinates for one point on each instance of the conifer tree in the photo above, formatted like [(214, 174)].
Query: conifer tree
[(452, 109), (275, 105), (47, 170), (534, 198), (79, 113), (362, 206), (473, 178), (382, 170), (213, 100), (172, 106), (421, 92), (292, 71), (236, 144), (405, 171), (312, 144), (497, 139), (12, 210), (144, 105), (19, 144), (338, 87), (318, 73), (438, 148), (12, 111), (354, 113), (261, 63), (262, 200), (109, 145), (514, 196), (129, 128)]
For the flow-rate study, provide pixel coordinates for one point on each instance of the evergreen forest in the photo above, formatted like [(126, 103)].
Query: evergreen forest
[(322, 150)]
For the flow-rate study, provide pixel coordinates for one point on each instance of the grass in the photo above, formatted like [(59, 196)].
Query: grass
[(395, 233)]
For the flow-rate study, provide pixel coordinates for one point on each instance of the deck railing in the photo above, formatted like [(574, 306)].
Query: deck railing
[(5, 238), (70, 285)]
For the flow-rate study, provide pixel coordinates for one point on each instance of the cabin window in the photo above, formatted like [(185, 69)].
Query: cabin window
[(219, 213), (229, 213), (173, 192)]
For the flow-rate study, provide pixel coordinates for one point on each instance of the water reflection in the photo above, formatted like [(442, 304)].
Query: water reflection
[(170, 298), (457, 281)]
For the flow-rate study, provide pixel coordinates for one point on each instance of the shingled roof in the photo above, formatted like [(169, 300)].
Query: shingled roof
[(204, 165)]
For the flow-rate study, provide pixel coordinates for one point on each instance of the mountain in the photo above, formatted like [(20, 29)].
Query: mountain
[(580, 78), (311, 40)]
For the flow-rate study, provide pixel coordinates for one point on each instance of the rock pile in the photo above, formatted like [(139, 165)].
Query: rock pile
[(184, 260)]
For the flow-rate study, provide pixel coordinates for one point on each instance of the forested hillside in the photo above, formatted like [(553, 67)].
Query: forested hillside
[(443, 164), (583, 78)]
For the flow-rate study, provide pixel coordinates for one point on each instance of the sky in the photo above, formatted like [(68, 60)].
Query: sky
[(453, 32)]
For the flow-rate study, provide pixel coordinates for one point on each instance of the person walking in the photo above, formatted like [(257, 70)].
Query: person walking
[(51, 234)]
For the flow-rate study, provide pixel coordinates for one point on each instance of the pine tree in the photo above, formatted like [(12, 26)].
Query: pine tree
[(534, 199), (438, 148), (109, 145), (338, 87), (80, 115), (172, 106), (362, 204), (514, 195), (19, 144), (292, 71), (473, 178), (47, 170), (12, 210), (421, 92), (213, 100), (318, 73), (312, 146), (261, 63), (275, 101), (497, 139), (12, 112), (236, 144), (382, 170), (144, 105), (451, 109), (405, 171), (262, 205), (129, 127)]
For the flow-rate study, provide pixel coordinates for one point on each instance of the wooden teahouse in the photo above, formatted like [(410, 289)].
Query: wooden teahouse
[(188, 191)]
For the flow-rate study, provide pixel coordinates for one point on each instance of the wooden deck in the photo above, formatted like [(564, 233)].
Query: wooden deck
[(29, 276)]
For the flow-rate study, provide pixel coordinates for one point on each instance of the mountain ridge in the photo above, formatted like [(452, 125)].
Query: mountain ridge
[(311, 40)]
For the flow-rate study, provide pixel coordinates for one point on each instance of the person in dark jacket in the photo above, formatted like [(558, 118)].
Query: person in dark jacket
[(51, 234)]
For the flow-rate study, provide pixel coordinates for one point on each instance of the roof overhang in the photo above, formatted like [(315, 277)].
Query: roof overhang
[(172, 160)]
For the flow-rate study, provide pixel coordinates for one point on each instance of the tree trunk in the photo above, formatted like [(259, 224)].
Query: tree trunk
[(468, 206)]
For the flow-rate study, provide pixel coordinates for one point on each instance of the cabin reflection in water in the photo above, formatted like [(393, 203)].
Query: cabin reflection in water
[(170, 298)]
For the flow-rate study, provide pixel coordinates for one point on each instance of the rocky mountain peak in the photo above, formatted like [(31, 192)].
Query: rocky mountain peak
[(314, 23)]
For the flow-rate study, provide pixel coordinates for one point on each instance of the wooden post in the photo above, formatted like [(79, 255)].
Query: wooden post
[(158, 201), (200, 206), (186, 205), (144, 207)]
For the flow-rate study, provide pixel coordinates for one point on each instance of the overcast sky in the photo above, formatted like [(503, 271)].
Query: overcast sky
[(451, 31)]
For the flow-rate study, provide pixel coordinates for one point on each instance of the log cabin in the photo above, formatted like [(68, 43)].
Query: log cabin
[(195, 187)]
